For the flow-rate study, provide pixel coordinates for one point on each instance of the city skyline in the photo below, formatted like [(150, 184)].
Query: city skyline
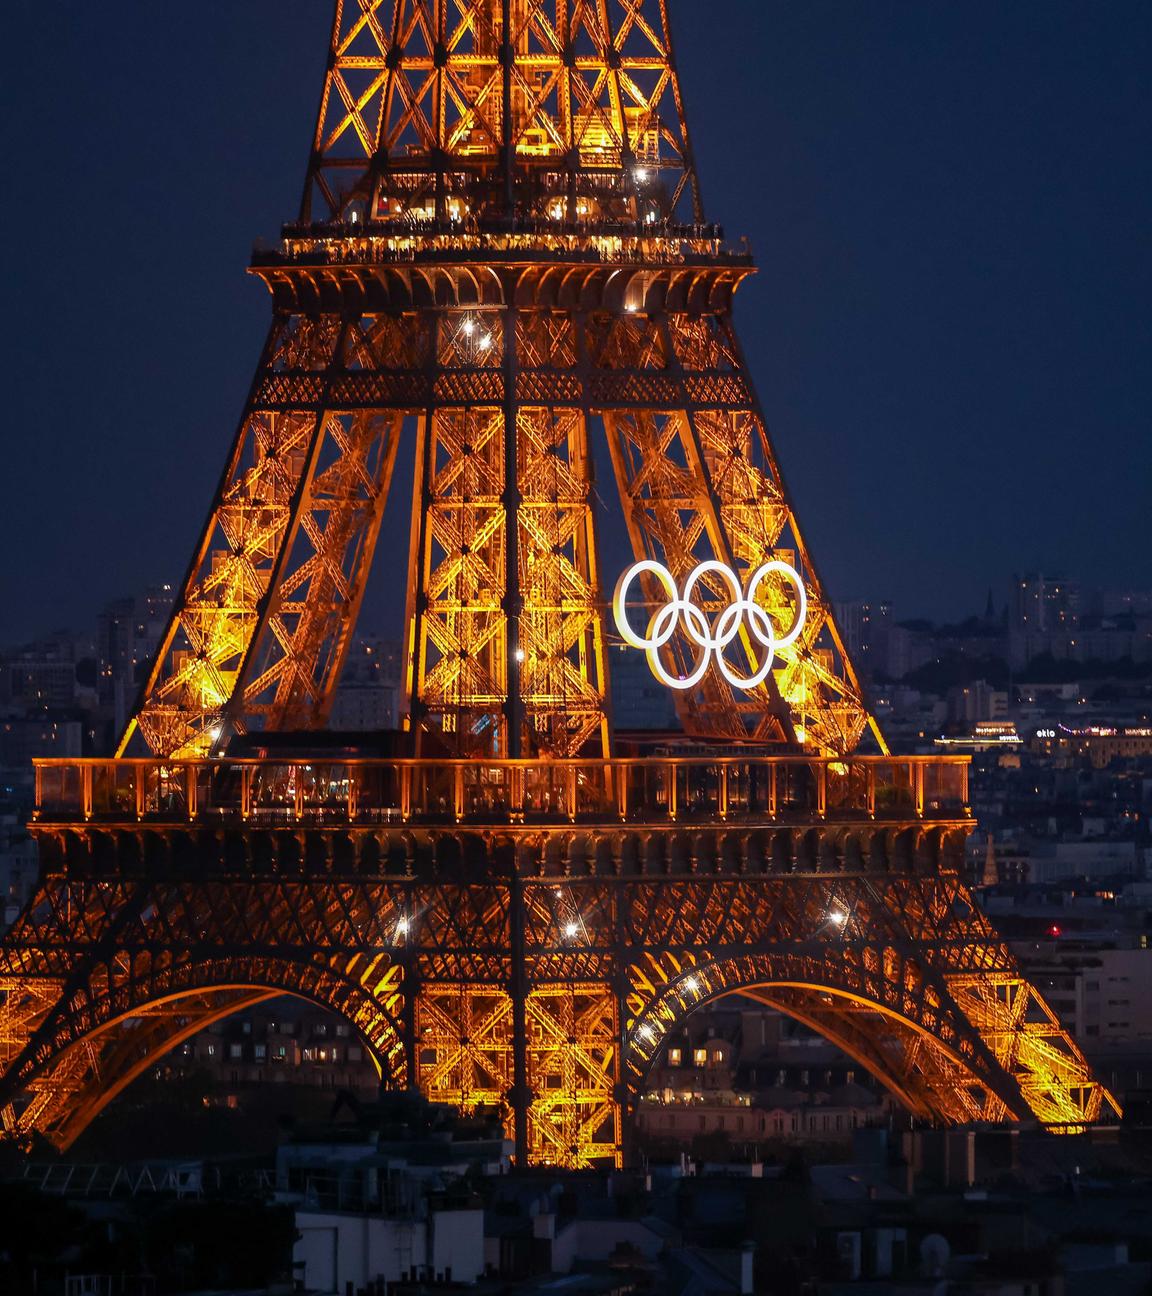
[(948, 341)]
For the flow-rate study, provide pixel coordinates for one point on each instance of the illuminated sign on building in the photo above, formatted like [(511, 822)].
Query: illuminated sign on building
[(711, 639)]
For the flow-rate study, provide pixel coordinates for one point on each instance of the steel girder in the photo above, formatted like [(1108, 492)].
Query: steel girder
[(493, 258), (537, 978), (492, 250), (465, 109), (506, 615)]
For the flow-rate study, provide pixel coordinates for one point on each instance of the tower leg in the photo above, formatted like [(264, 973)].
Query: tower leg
[(521, 1095)]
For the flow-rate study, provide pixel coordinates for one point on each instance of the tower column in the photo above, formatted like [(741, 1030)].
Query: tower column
[(511, 499), (520, 1096)]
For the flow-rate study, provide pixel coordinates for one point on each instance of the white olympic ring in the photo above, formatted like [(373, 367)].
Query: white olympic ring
[(711, 641)]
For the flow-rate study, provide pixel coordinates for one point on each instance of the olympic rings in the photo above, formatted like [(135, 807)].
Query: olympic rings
[(710, 640)]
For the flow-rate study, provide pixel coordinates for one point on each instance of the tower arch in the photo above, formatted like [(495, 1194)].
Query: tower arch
[(929, 1079), (81, 1061), (952, 1047)]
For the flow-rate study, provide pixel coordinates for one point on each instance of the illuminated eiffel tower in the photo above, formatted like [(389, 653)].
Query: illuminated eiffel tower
[(502, 254)]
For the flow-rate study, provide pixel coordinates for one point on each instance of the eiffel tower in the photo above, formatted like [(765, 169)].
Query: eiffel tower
[(502, 255)]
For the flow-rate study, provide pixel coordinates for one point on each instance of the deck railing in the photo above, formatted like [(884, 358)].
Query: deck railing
[(330, 792)]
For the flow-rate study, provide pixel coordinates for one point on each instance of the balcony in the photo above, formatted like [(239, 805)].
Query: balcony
[(272, 793)]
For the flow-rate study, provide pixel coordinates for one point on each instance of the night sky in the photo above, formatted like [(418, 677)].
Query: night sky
[(949, 204)]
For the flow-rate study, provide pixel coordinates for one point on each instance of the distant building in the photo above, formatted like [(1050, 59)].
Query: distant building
[(1044, 604), (976, 701), (283, 1041), (986, 735), (40, 675), (23, 738), (1069, 861), (996, 862), (756, 1119), (18, 867), (128, 635), (364, 707), (1100, 744), (354, 1251), (1098, 993), (1044, 617), (866, 627), (368, 696), (907, 650), (749, 1074), (639, 700)]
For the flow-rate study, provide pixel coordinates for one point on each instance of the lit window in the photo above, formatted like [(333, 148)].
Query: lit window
[(717, 1055), (700, 1056), (674, 1056)]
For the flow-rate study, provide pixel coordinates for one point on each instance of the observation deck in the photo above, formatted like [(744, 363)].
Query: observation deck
[(301, 793), (530, 262)]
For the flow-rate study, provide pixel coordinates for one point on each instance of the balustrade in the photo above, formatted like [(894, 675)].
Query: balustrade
[(652, 790)]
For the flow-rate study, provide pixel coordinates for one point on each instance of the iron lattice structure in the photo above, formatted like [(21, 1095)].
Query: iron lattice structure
[(521, 936), (502, 254)]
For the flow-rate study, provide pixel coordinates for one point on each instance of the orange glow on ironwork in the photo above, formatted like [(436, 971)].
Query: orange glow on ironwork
[(497, 263)]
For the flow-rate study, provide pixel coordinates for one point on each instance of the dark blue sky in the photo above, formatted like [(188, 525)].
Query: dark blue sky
[(950, 331)]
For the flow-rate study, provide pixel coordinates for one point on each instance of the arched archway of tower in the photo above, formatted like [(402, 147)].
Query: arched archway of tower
[(77, 1070), (928, 1077)]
